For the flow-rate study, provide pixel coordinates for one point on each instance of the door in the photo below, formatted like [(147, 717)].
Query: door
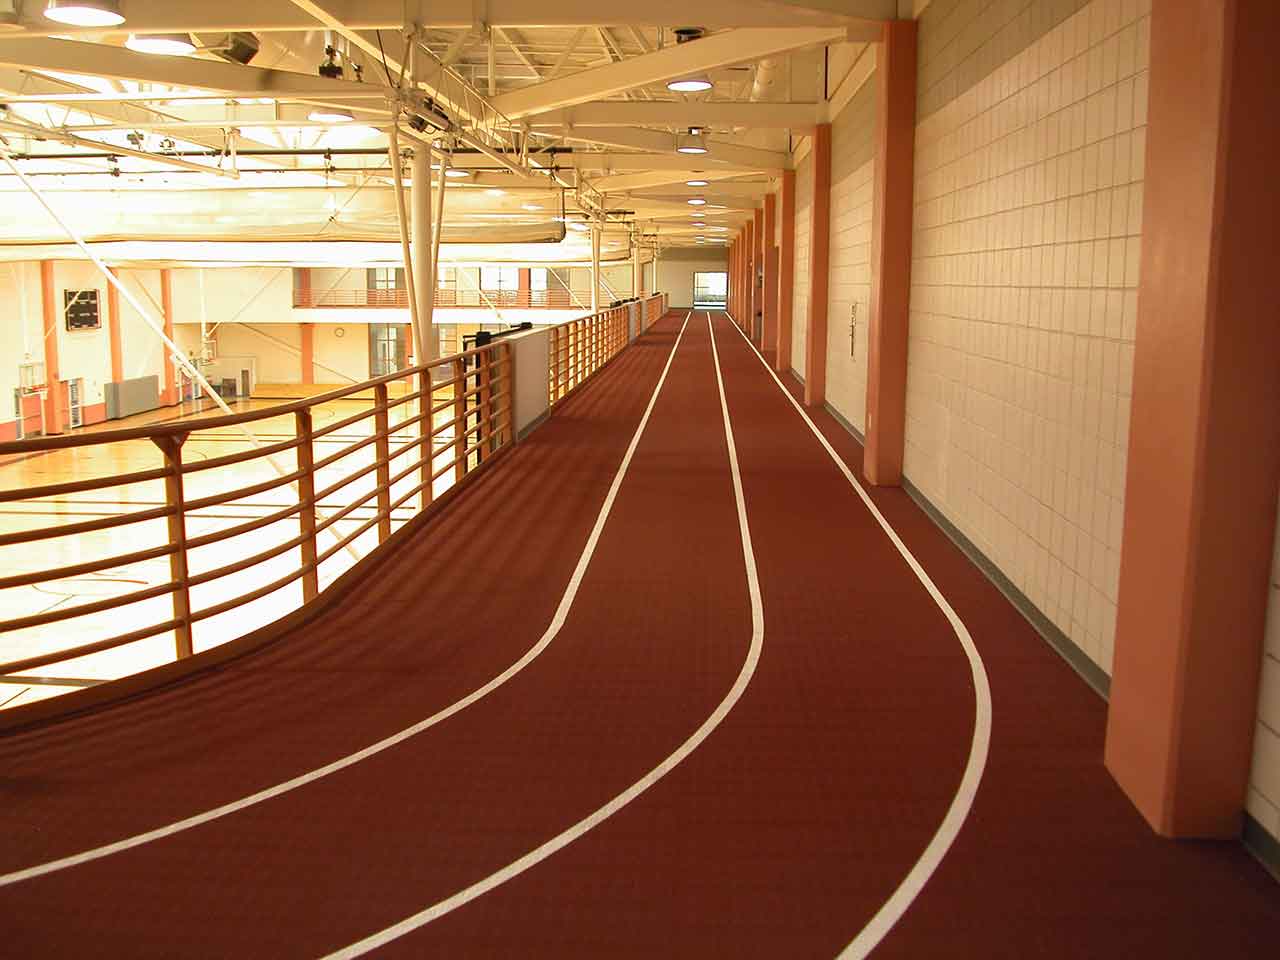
[(387, 348)]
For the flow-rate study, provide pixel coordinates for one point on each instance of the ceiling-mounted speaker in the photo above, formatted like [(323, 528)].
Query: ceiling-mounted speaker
[(233, 47)]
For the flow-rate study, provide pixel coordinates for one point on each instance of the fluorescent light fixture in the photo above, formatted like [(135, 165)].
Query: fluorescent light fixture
[(697, 183), (330, 115), (696, 201), (694, 84), (85, 13), (453, 173), (692, 143), (165, 44)]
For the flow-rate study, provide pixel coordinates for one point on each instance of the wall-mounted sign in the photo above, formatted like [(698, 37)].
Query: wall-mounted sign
[(81, 309)]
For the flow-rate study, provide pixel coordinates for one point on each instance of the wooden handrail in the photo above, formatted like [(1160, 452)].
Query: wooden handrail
[(477, 398)]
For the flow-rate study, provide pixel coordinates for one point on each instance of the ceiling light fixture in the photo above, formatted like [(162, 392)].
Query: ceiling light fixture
[(330, 115), (697, 183), (163, 44), (695, 84), (692, 142), (696, 201), (85, 13), (453, 173)]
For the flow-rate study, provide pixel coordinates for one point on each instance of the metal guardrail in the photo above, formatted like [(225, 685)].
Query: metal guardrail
[(335, 484)]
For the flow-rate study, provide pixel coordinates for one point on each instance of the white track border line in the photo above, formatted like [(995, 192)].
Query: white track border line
[(563, 839), (900, 901), (557, 621)]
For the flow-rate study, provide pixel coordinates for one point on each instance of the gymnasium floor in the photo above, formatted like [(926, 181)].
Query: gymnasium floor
[(55, 466), (664, 681)]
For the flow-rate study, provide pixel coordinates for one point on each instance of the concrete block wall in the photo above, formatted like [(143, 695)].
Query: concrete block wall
[(800, 285), (1030, 146), (853, 146), (1263, 802)]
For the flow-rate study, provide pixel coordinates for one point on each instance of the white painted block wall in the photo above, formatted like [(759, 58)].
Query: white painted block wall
[(1027, 233), (1264, 784), (849, 283), (800, 283)]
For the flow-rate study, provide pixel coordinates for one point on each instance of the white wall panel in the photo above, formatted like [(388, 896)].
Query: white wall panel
[(800, 284)]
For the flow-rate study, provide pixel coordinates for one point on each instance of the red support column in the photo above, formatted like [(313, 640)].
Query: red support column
[(786, 269), (757, 264), (307, 345), (169, 395), (1203, 463), (53, 385), (891, 255), (749, 266), (525, 282), (815, 370), (769, 292), (113, 330), (303, 290)]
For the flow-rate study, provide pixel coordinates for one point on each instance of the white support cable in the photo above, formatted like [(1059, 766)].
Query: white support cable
[(175, 352)]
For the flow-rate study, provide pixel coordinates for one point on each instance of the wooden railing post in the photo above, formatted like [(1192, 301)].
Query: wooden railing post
[(382, 453), (171, 447), (486, 404), (426, 451), (307, 505), (459, 419)]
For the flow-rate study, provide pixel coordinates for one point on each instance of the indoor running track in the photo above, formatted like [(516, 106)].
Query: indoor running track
[(659, 683)]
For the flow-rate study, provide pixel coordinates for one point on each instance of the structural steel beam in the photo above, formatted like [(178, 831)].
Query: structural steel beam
[(799, 117), (660, 142), (709, 53), (167, 16)]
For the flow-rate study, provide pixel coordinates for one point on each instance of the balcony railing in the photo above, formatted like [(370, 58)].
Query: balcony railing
[(197, 556), (445, 297)]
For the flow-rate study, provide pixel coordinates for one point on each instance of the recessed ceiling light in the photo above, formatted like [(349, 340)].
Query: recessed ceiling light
[(330, 115), (696, 183), (453, 173), (85, 13), (696, 201), (695, 84), (165, 44)]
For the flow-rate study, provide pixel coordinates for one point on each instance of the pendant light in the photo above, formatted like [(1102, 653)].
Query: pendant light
[(85, 13), (163, 44)]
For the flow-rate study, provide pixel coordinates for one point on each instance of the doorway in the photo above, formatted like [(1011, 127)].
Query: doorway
[(710, 290)]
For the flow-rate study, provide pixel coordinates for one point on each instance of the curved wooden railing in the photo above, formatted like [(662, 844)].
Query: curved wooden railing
[(210, 555)]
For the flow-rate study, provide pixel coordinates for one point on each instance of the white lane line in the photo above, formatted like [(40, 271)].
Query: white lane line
[(561, 840), (557, 621), (900, 901)]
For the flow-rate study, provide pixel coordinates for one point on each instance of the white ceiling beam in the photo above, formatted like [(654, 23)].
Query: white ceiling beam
[(640, 181), (657, 141), (609, 113), (70, 56), (166, 16), (666, 160), (709, 53)]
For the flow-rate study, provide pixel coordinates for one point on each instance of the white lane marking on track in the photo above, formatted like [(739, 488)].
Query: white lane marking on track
[(563, 839), (900, 901), (557, 621)]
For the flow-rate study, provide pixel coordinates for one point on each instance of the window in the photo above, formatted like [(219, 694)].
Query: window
[(386, 278), (499, 278), (710, 290)]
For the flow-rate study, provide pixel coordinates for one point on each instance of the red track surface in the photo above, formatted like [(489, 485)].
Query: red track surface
[(780, 836)]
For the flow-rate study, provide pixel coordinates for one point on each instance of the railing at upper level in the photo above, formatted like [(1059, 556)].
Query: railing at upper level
[(445, 297), (207, 535)]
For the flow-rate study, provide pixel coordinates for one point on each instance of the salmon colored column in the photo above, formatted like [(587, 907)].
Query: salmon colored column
[(307, 346), (1204, 461), (815, 368), (169, 395), (113, 330), (891, 209), (757, 261), (748, 272), (786, 269), (524, 280), (303, 298), (769, 327), (52, 382)]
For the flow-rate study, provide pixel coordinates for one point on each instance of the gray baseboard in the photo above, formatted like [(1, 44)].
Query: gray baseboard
[(1262, 845), (1063, 645), (839, 418)]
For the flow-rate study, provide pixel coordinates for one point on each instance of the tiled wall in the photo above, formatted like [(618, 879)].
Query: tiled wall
[(853, 135), (1030, 146), (1264, 786), (800, 283)]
